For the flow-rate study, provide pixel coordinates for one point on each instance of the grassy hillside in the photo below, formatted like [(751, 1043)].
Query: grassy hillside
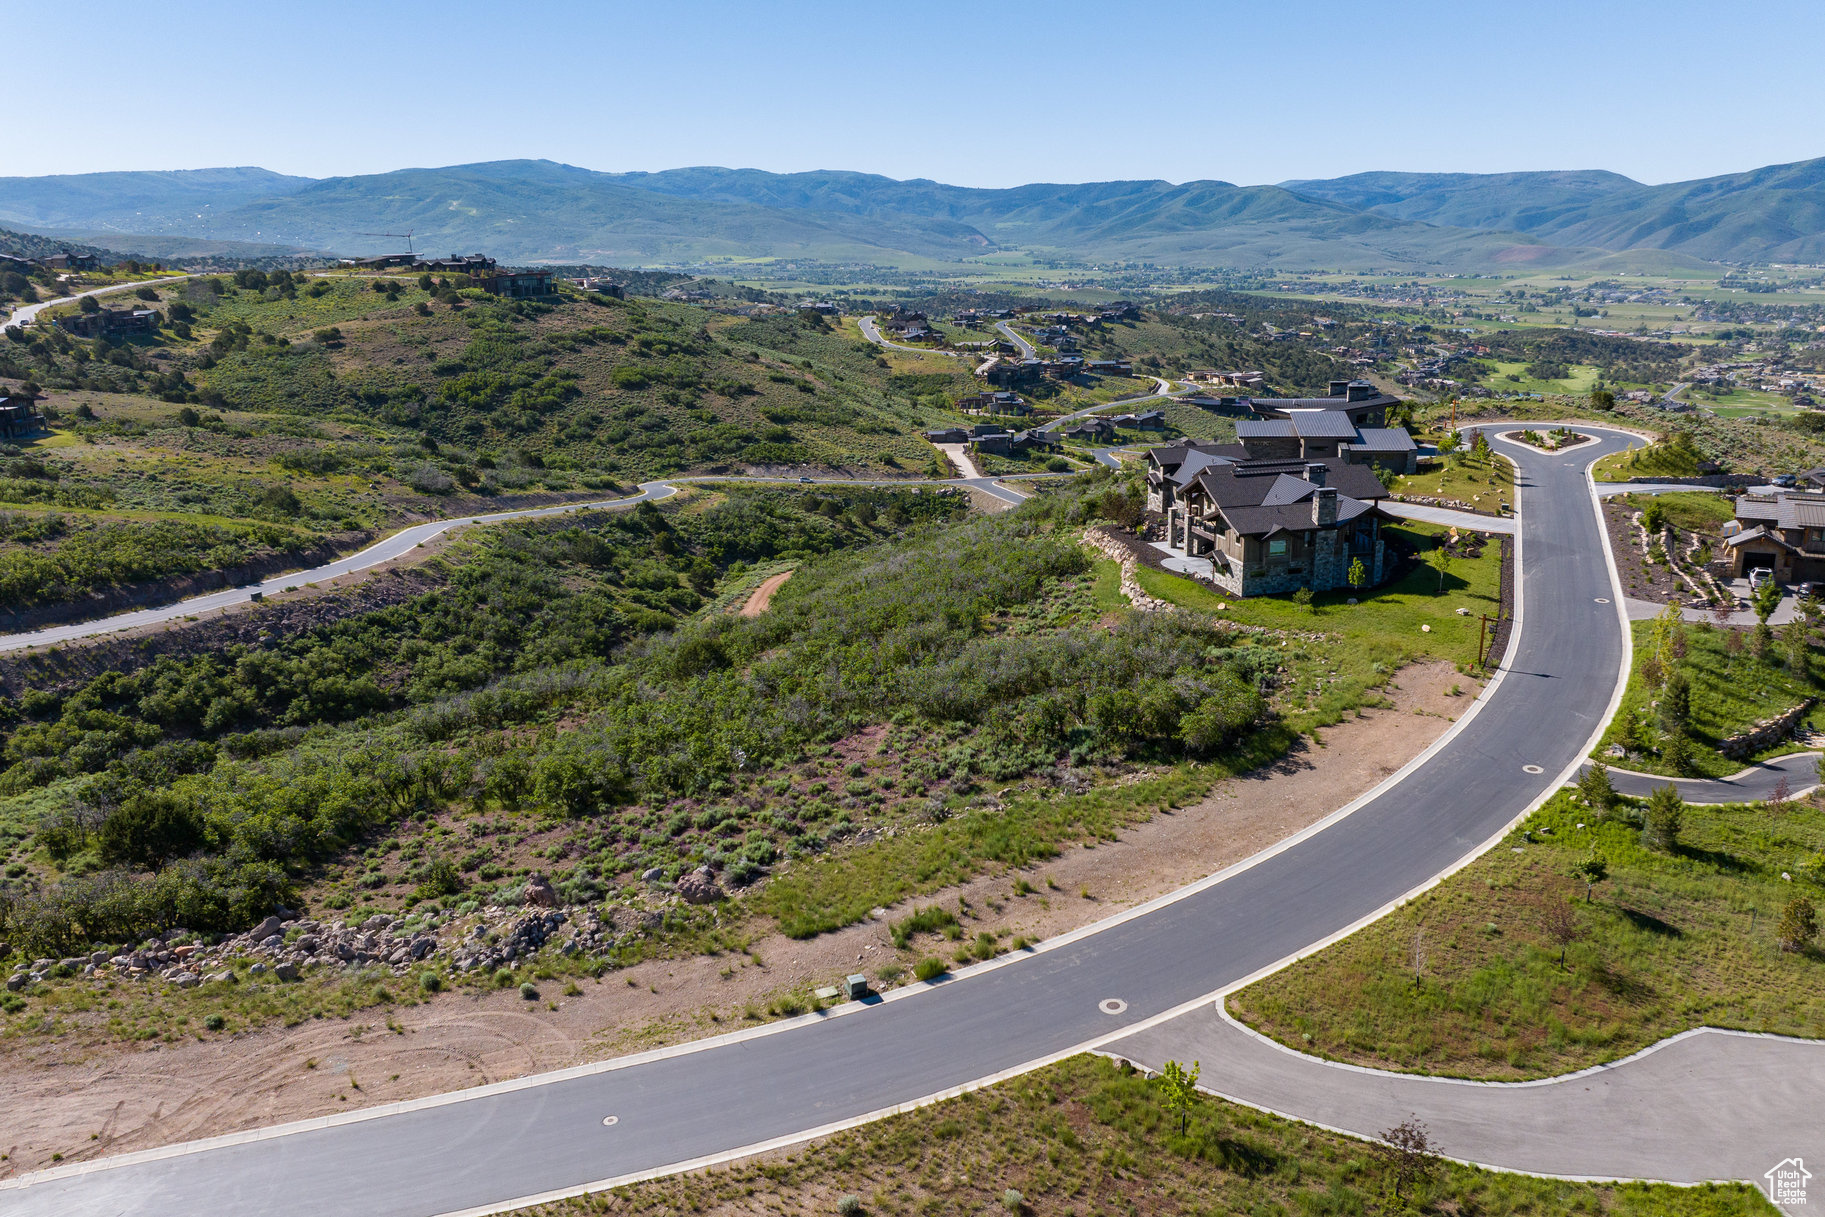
[(327, 407), (572, 699)]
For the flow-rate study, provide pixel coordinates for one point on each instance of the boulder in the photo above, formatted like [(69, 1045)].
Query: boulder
[(286, 971), (266, 929), (699, 887), (15, 982), (226, 975), (540, 893), (188, 980)]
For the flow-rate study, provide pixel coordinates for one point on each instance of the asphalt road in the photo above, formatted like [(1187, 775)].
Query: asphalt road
[(408, 539), (1025, 348), (384, 550), (25, 313), (1757, 783), (505, 1145), (872, 332)]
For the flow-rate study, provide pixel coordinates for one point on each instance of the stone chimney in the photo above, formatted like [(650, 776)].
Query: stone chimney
[(1316, 472), (1324, 506), (1359, 390), (1338, 388)]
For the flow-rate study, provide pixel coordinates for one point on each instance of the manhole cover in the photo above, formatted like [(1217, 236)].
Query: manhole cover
[(610, 1121), (1603, 600), (1532, 769), (1112, 1005)]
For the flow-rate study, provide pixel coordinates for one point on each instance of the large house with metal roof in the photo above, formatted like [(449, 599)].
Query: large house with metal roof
[(1279, 525), (1782, 533)]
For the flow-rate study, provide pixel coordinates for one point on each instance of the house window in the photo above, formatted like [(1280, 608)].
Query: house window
[(1277, 548)]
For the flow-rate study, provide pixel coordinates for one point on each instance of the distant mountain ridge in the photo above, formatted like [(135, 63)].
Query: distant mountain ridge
[(543, 211), (183, 201), (1773, 214)]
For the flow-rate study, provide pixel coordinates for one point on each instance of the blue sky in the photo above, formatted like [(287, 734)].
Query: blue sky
[(990, 94)]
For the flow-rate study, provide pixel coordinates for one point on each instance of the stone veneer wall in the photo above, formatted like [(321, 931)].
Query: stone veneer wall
[(1765, 734)]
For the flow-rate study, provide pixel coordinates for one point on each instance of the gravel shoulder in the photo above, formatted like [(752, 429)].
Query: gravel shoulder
[(86, 1102)]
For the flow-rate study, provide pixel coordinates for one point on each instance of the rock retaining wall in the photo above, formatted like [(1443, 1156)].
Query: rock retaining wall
[(1765, 734), (1123, 557)]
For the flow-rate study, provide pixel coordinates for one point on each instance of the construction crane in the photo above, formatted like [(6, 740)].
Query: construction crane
[(405, 236)]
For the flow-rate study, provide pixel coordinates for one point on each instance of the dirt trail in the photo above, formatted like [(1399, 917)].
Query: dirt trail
[(54, 1097), (762, 596)]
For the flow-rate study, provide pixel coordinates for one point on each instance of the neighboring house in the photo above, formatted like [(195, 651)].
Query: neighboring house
[(1783, 533), (1390, 447), (992, 440), (818, 308), (1350, 423), (1010, 374), (1277, 526), (999, 402), (1303, 435), (1093, 430), (19, 416), (604, 287), (107, 322), (520, 285), (383, 261), (1109, 367), (478, 265), (947, 435), (1366, 405), (68, 261), (1035, 440), (1222, 405), (1150, 420), (1169, 468), (1240, 380)]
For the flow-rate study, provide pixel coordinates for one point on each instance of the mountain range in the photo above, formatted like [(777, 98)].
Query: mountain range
[(529, 211)]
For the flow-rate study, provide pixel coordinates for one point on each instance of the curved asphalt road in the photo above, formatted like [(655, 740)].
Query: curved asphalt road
[(408, 539), (508, 1144), (1706, 1104), (872, 332), (1757, 783), (25, 313), (1026, 349)]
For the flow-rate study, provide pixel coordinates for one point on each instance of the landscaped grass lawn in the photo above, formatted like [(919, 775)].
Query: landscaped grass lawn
[(1370, 639), (1730, 692), (1691, 510), (1664, 459), (1486, 484), (1670, 942), (1085, 1137)]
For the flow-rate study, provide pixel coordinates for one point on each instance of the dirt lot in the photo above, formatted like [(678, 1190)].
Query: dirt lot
[(117, 1100)]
